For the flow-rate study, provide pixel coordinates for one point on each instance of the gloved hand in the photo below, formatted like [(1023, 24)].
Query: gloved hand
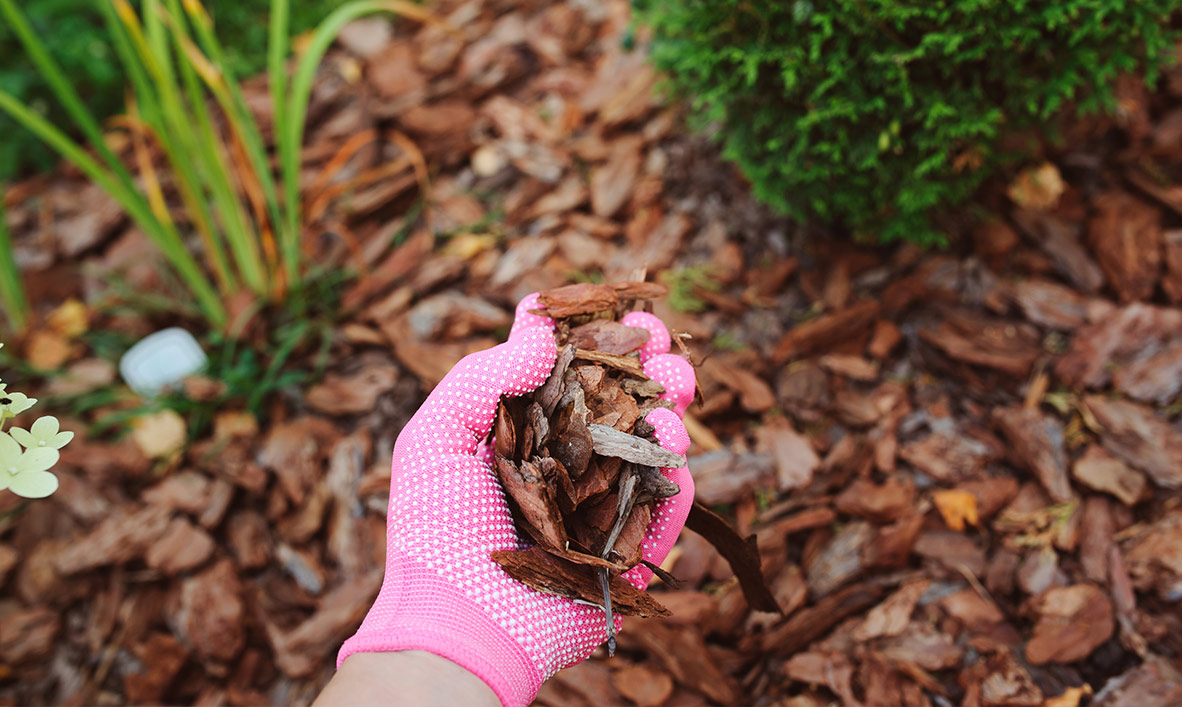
[(442, 593)]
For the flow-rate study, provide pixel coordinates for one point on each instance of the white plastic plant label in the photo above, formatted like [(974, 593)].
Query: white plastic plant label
[(160, 360)]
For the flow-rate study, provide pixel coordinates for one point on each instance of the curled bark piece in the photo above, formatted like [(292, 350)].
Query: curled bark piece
[(573, 442), (528, 489), (608, 336), (629, 546), (504, 436), (624, 501), (741, 554), (654, 485), (536, 417), (538, 569), (559, 482), (551, 391)]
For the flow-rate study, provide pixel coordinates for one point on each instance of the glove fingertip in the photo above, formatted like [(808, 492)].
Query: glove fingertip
[(670, 430), (533, 351), (524, 319), (677, 375), (659, 339)]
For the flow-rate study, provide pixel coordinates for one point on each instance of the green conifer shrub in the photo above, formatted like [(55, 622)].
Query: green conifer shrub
[(874, 114)]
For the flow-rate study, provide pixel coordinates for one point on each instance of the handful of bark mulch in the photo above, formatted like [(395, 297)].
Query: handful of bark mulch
[(581, 467)]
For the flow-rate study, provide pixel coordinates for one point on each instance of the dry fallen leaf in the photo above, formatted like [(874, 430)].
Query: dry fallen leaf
[(159, 434), (1037, 188), (70, 319), (47, 350), (956, 507), (234, 423)]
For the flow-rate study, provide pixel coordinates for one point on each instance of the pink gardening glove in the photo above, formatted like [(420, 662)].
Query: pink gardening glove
[(442, 593)]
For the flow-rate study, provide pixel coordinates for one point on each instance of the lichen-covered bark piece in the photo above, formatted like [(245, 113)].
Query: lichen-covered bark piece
[(611, 442)]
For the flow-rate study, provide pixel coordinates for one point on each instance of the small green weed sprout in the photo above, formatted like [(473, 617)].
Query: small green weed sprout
[(683, 283)]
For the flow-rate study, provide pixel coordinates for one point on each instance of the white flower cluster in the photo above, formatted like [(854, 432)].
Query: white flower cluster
[(25, 471)]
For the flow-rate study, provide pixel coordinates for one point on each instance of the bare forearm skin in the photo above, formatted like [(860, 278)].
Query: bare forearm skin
[(404, 677)]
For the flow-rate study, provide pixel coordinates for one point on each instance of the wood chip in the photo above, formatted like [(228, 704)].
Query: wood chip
[(1113, 339), (537, 568), (353, 394), (121, 537), (852, 367), (611, 442), (1126, 235), (807, 625), (840, 560), (793, 454), (627, 364), (208, 614), (528, 489), (575, 300), (682, 650), (182, 547), (1037, 443), (741, 554), (643, 685), (1152, 376), (1072, 622), (1100, 471), (878, 502), (28, 634), (1060, 240), (608, 336), (1049, 304), (825, 331), (1133, 433), (1002, 346)]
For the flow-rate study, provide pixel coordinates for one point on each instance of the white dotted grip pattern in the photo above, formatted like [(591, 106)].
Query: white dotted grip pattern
[(442, 592)]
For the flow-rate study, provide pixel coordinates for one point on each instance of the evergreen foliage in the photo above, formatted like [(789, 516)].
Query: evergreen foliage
[(875, 113)]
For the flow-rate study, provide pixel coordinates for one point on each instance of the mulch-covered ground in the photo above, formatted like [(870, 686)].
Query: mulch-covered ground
[(963, 466)]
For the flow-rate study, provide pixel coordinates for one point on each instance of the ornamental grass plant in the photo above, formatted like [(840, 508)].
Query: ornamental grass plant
[(239, 221)]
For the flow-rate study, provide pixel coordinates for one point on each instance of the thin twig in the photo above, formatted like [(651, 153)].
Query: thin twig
[(624, 505), (607, 610), (627, 498)]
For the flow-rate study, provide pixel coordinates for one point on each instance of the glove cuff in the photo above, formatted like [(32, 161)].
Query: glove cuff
[(419, 610)]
